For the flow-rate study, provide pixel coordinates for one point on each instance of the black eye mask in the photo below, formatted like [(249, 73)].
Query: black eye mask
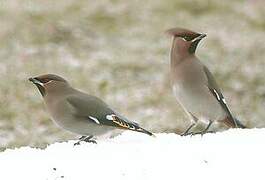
[(43, 80), (187, 38)]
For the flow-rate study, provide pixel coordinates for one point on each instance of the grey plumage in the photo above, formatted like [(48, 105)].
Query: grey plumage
[(193, 84), (79, 112)]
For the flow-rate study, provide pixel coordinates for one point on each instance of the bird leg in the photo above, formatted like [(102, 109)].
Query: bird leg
[(85, 139), (188, 129), (90, 140), (204, 131), (82, 138)]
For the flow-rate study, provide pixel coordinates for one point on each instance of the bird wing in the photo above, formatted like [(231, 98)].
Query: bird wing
[(215, 90), (97, 111)]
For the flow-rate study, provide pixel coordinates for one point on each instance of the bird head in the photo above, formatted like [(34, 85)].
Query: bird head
[(184, 40), (48, 83)]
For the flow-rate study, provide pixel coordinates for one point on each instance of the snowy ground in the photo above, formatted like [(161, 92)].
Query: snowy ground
[(234, 154)]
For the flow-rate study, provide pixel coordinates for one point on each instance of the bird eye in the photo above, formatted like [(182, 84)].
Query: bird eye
[(46, 80), (187, 38)]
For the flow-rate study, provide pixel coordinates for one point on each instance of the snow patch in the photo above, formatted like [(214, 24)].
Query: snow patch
[(237, 154)]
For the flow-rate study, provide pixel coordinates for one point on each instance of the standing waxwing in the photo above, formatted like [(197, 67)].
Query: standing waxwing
[(194, 85)]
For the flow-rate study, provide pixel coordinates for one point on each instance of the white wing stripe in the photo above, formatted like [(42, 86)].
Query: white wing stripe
[(224, 100), (217, 95), (110, 117), (94, 119)]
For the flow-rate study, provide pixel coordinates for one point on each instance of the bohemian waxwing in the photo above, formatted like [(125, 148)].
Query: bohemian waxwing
[(79, 112), (194, 85)]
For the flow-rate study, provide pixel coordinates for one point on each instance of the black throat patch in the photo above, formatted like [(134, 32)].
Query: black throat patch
[(193, 46), (41, 89)]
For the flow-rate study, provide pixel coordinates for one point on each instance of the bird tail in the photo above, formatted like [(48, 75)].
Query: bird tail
[(124, 123), (239, 124), (142, 130), (233, 122)]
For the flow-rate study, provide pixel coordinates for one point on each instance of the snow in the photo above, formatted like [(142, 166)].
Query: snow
[(234, 154)]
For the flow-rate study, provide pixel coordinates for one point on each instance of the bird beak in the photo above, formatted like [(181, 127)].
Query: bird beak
[(35, 81), (200, 37)]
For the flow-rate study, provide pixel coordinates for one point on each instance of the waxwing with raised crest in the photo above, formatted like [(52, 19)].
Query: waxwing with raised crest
[(194, 85)]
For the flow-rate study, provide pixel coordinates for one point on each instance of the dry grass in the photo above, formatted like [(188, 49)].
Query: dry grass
[(117, 50)]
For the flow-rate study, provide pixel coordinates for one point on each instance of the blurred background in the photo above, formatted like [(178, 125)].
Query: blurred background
[(117, 50)]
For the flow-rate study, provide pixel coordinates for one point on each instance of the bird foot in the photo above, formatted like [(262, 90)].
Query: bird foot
[(77, 143), (186, 134), (85, 139), (200, 132), (187, 130), (91, 141)]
